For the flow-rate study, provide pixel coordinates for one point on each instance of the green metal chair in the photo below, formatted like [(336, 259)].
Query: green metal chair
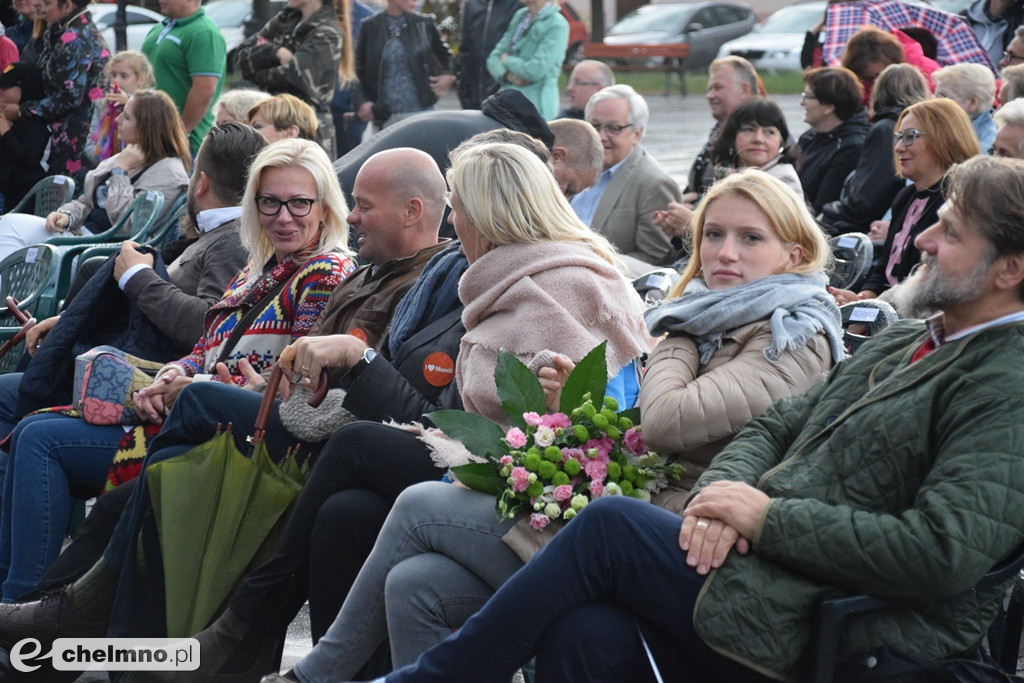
[(143, 212), (158, 235), (47, 195), (24, 275)]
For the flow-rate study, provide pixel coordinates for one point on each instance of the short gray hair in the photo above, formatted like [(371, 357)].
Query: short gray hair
[(968, 80), (639, 114), (605, 76)]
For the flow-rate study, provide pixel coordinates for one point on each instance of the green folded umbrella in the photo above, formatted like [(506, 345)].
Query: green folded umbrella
[(214, 509)]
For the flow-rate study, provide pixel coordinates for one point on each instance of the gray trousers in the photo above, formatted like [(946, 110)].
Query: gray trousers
[(437, 560)]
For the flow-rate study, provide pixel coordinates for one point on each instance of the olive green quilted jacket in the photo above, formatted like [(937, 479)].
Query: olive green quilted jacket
[(902, 481)]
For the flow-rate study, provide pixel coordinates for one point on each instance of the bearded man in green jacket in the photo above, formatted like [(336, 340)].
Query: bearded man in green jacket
[(900, 476)]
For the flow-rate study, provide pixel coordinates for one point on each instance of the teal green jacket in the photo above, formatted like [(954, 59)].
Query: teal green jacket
[(903, 481), (538, 58)]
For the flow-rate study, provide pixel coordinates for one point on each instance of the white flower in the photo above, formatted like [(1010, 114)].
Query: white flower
[(544, 436), (552, 510)]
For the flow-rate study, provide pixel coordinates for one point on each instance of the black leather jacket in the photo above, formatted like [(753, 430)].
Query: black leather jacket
[(428, 56)]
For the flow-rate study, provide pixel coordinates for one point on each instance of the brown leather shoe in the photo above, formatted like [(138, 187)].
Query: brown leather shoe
[(46, 619)]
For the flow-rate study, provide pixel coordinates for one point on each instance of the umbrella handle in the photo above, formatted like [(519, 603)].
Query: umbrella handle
[(23, 318), (267, 404)]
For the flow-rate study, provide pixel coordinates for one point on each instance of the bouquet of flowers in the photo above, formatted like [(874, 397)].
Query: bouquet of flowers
[(553, 464)]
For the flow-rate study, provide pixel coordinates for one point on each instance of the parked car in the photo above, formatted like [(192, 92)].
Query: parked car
[(234, 19), (140, 21), (775, 44), (578, 33), (704, 25)]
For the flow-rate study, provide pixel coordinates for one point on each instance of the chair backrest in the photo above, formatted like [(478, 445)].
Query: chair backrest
[(863, 319), (145, 211), (25, 274), (852, 254), (47, 195), (165, 228), (655, 285)]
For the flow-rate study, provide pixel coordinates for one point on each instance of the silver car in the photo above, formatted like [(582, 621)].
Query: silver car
[(703, 25), (775, 45), (140, 21)]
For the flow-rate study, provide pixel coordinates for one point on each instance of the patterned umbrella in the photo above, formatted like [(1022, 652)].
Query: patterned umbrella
[(956, 41)]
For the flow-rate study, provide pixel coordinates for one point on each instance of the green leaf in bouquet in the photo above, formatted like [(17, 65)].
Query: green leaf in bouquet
[(518, 389), (480, 476), (480, 436), (589, 376)]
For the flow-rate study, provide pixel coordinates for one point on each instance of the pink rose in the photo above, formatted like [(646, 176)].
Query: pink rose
[(596, 489), (533, 419), (95, 94), (520, 479), (539, 520), (506, 460), (556, 420), (603, 445), (572, 454), (563, 493), (516, 438), (634, 441), (597, 470), (68, 36), (544, 436), (74, 165)]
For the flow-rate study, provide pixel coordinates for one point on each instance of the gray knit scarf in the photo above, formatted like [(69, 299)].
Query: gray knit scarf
[(798, 307)]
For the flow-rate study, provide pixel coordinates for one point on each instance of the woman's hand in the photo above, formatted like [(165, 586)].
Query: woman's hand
[(365, 111), (440, 85), (57, 222), (253, 380), (131, 157), (34, 337), (845, 296), (284, 55), (553, 379), (155, 401), (878, 231), (674, 220)]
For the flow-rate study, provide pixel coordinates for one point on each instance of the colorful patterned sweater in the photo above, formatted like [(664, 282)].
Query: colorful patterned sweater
[(287, 317)]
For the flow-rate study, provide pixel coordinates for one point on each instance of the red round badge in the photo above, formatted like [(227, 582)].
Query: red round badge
[(359, 334), (439, 369)]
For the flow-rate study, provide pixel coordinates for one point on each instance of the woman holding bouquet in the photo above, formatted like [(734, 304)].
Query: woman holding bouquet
[(758, 258)]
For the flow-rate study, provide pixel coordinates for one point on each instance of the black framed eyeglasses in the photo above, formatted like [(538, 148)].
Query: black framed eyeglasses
[(908, 137), (298, 207), (610, 128), (804, 96), (1010, 57)]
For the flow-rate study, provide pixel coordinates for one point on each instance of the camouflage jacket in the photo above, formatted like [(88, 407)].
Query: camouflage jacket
[(312, 73)]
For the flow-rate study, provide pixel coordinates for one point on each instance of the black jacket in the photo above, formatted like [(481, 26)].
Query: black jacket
[(827, 158), (482, 24), (398, 389), (21, 156), (874, 184), (428, 56)]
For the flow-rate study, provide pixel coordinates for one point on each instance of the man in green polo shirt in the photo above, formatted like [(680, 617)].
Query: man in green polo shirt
[(189, 56)]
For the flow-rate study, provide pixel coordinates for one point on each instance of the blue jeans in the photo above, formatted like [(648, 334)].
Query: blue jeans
[(579, 603), (48, 452), (9, 402)]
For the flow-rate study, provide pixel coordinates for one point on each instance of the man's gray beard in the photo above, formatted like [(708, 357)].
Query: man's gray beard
[(928, 288)]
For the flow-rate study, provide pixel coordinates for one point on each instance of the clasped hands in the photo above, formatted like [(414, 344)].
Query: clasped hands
[(722, 515)]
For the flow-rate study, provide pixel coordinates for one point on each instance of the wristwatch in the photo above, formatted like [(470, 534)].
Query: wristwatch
[(368, 356), (117, 170)]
